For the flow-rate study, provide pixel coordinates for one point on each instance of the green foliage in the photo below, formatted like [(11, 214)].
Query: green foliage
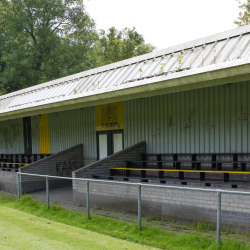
[(153, 218), (179, 61), (162, 67), (117, 45), (140, 70), (2, 91), (42, 40), (244, 15), (150, 235), (204, 226)]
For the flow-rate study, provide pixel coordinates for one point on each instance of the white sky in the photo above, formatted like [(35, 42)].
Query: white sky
[(164, 23)]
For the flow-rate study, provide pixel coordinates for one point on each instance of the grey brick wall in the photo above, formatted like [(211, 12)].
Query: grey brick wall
[(87, 161), (118, 159), (182, 205), (8, 181), (60, 164)]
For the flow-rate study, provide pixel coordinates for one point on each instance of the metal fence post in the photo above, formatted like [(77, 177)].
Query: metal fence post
[(87, 198), (47, 191), (139, 207), (218, 216), (18, 185)]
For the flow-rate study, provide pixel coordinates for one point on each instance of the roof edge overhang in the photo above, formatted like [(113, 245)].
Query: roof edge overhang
[(212, 75), (157, 53)]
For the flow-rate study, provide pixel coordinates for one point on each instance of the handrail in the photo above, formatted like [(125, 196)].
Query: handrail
[(136, 184), (197, 161), (198, 154), (139, 185), (183, 170)]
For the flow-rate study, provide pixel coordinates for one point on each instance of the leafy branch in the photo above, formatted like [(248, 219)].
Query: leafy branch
[(179, 61), (244, 17), (162, 67), (140, 70)]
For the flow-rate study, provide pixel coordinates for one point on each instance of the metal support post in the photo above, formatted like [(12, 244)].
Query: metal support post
[(18, 185), (139, 207), (87, 199), (218, 216), (47, 191)]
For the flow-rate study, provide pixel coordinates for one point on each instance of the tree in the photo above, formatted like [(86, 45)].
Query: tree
[(3, 40), (36, 38), (119, 45), (244, 17), (42, 40)]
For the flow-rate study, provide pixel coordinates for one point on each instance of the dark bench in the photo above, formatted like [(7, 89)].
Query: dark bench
[(194, 159), (14, 161), (197, 162), (181, 172)]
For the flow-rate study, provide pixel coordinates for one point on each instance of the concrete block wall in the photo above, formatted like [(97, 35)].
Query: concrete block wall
[(182, 205), (88, 160), (8, 181), (118, 159), (60, 164)]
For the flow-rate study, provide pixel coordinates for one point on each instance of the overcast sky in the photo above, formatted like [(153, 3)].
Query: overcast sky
[(164, 23)]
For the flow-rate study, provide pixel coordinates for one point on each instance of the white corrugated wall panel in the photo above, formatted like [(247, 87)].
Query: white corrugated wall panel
[(11, 137), (35, 133), (69, 128), (209, 120)]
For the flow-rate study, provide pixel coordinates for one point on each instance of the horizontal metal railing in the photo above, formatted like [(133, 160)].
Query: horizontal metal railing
[(184, 170), (139, 185)]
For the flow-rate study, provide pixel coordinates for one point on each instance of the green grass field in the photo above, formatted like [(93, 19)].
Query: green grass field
[(19, 230), (24, 223)]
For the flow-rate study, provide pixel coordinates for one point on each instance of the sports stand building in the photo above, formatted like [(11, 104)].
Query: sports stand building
[(178, 116)]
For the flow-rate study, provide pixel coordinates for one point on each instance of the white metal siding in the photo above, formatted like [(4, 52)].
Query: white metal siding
[(35, 134), (11, 137), (207, 120), (66, 129), (69, 128)]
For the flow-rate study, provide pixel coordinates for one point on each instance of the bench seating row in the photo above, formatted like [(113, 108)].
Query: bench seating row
[(11, 162), (197, 162)]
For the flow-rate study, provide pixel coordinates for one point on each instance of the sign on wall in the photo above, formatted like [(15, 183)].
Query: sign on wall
[(109, 116)]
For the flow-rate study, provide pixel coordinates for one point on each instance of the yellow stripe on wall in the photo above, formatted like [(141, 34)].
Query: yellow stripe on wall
[(44, 133)]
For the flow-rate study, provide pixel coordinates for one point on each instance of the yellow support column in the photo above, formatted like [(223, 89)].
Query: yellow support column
[(44, 133)]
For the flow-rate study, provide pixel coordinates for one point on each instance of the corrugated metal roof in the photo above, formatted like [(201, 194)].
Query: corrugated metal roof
[(217, 49)]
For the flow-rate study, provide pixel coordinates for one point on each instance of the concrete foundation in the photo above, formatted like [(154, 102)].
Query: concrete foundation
[(8, 181), (181, 205)]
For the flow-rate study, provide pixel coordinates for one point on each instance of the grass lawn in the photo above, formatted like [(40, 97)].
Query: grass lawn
[(19, 230), (56, 235)]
